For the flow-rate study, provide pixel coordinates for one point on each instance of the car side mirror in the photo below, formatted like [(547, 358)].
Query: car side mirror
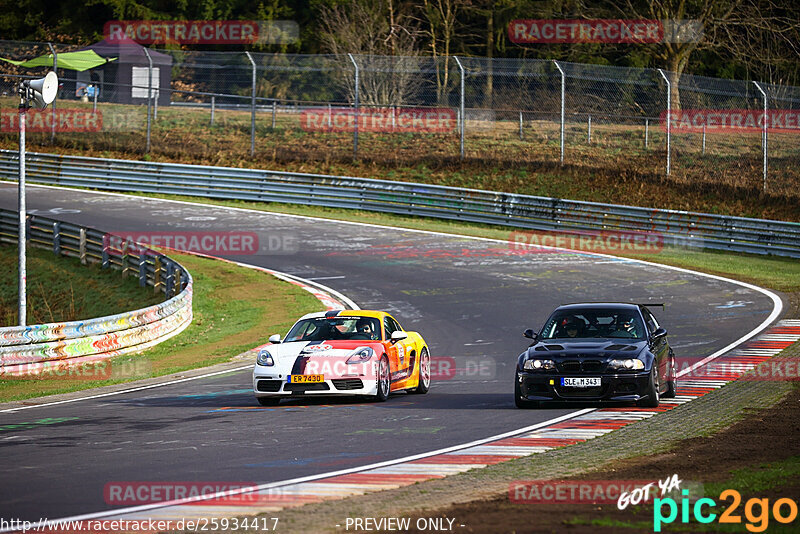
[(275, 338), (659, 333), (529, 333), (398, 335)]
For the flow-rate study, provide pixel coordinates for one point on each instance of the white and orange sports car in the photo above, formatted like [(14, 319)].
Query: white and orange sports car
[(343, 352)]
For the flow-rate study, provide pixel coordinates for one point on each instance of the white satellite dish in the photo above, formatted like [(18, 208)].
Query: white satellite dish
[(44, 89)]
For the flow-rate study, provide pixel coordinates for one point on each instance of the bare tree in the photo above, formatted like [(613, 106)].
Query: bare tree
[(385, 37)]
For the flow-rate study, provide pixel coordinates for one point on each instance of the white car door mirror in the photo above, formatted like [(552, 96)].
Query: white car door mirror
[(398, 335), (275, 338)]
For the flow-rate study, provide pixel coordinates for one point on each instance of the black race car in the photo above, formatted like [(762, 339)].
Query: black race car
[(596, 352)]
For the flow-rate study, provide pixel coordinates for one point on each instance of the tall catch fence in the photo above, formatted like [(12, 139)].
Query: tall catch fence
[(414, 109)]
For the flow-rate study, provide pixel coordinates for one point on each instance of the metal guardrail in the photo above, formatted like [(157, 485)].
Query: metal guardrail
[(28, 349), (679, 228)]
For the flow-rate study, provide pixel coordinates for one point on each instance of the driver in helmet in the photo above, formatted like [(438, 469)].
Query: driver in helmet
[(364, 327)]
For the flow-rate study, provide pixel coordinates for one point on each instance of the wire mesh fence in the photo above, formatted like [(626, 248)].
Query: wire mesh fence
[(414, 109)]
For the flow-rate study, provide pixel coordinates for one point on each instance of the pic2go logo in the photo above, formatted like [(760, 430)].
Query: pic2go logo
[(756, 511)]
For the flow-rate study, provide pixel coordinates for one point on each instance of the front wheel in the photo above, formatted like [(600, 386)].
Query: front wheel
[(672, 383), (651, 401), (424, 373), (383, 380), (519, 400)]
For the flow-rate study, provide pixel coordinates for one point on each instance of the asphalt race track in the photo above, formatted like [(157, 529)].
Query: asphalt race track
[(470, 299)]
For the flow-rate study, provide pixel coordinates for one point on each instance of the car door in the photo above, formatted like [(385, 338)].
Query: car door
[(400, 350)]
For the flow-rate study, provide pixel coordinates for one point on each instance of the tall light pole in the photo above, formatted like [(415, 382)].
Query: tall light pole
[(39, 93)]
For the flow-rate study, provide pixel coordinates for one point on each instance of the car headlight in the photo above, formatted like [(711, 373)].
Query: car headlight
[(265, 358), (627, 365), (360, 355), (539, 365)]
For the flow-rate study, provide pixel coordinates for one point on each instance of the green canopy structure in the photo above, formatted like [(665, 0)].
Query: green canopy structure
[(80, 61)]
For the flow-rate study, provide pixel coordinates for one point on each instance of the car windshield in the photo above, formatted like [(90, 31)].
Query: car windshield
[(593, 323), (334, 328)]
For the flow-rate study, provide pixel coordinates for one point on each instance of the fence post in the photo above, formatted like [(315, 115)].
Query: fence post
[(94, 100), (149, 90), (646, 131), (274, 111), (213, 105), (763, 134), (669, 118), (590, 130), (704, 139), (355, 103), (563, 86), (53, 104), (252, 108), (520, 126), (461, 106)]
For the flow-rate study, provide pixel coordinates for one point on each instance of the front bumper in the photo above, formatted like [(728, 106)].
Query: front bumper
[(272, 386), (620, 387)]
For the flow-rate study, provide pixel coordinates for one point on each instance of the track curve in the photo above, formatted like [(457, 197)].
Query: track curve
[(469, 298)]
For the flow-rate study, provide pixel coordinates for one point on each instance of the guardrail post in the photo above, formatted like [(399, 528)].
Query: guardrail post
[(461, 116), (763, 134), (105, 260), (156, 273), (149, 95), (669, 118), (177, 285), (53, 104), (252, 108), (355, 104), (213, 105), (143, 269), (563, 87), (170, 279), (82, 245), (57, 238)]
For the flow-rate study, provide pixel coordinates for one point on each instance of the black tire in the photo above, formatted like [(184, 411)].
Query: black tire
[(518, 400), (384, 380), (653, 395), (672, 383), (424, 373), (268, 401)]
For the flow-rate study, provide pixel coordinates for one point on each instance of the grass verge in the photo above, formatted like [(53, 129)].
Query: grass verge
[(61, 289), (235, 309)]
